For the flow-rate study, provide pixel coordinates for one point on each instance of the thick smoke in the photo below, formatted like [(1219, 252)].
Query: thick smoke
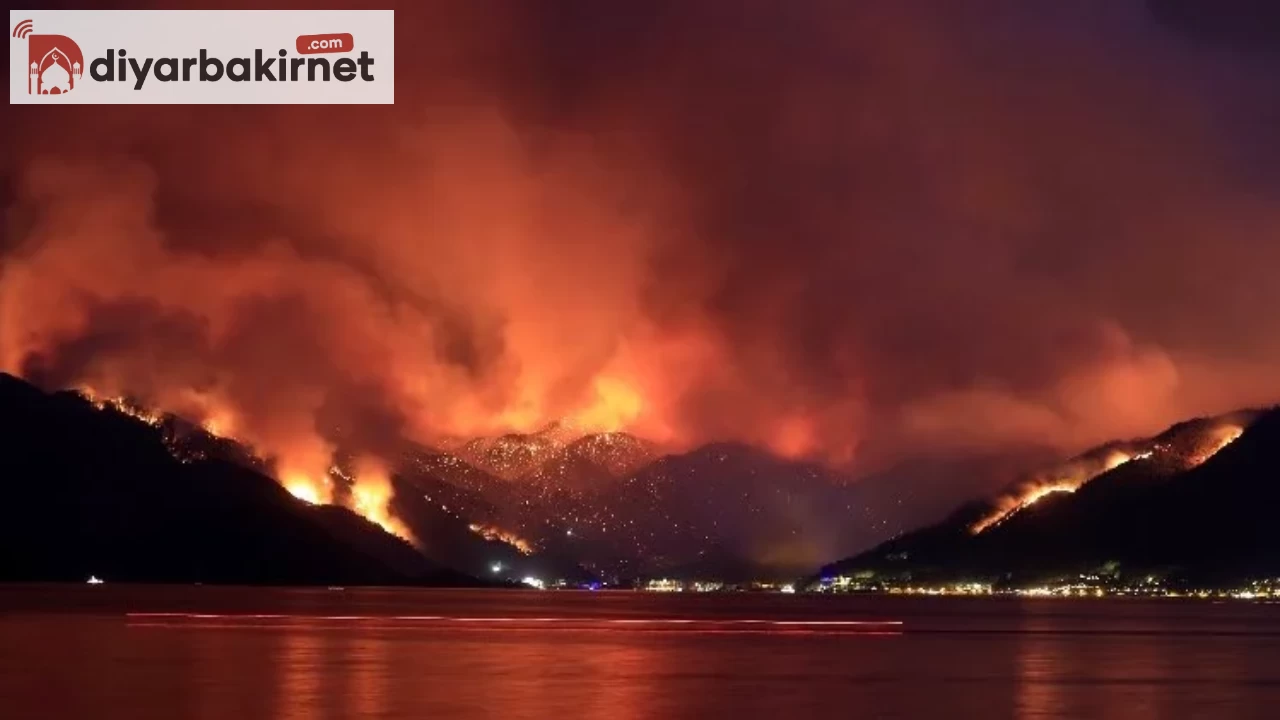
[(858, 231)]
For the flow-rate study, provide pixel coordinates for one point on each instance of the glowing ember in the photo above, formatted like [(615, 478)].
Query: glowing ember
[(489, 532)]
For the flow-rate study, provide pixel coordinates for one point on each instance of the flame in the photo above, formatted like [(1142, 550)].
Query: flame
[(1221, 437), (616, 406), (304, 491), (1075, 476), (307, 488), (220, 425), (1041, 492), (371, 490), (371, 494), (122, 406), (493, 533), (1078, 474)]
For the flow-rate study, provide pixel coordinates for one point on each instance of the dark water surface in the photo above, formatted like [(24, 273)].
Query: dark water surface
[(136, 653)]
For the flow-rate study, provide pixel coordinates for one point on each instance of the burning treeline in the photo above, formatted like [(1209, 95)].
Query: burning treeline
[(361, 484), (1182, 448)]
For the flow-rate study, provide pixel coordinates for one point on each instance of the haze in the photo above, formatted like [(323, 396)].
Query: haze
[(859, 232)]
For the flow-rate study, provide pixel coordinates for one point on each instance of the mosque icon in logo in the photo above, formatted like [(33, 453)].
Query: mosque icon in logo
[(56, 62)]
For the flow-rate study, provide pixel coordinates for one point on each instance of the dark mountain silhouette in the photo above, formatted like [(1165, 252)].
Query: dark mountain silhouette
[(613, 504), (722, 501), (1195, 503), (156, 497), (94, 491)]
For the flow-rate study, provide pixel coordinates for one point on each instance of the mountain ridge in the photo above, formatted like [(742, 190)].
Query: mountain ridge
[(1152, 512)]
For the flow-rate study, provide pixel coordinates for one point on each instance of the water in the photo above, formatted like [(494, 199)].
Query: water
[(134, 653)]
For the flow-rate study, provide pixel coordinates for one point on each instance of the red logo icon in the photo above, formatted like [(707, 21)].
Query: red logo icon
[(56, 63)]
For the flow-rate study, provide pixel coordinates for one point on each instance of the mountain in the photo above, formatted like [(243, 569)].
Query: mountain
[(556, 504), (513, 455), (590, 462), (1194, 503), (621, 509), (740, 506), (96, 491)]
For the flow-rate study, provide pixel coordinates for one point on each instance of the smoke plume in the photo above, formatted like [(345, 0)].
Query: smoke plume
[(852, 231)]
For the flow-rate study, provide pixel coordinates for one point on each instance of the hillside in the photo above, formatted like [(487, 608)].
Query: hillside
[(1193, 503), (92, 491)]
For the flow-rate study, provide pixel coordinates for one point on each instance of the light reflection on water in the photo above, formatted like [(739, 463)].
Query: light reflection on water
[(68, 654)]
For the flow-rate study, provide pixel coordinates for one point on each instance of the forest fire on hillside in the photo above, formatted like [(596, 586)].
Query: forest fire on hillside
[(370, 491), (496, 534), (1219, 439), (1192, 448), (1068, 480)]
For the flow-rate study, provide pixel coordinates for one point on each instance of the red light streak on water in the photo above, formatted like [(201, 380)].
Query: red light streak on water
[(420, 622)]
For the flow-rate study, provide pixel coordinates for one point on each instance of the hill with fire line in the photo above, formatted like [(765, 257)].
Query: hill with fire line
[(106, 486), (94, 490), (1195, 503)]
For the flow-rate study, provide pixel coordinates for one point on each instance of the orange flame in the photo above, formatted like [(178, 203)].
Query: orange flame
[(1074, 477), (371, 495), (307, 488), (496, 534), (617, 404), (1220, 438)]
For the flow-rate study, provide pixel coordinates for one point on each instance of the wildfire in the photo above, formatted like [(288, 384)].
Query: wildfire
[(307, 488), (122, 406), (1075, 477), (305, 492), (220, 425), (371, 494), (617, 404), (489, 532), (1221, 437), (371, 490)]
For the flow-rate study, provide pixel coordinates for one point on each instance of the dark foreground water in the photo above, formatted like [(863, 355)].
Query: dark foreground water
[(134, 653)]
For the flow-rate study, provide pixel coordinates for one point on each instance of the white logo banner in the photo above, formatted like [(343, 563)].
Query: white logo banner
[(195, 57)]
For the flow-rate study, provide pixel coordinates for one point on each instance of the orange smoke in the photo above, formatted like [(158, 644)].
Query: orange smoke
[(789, 261)]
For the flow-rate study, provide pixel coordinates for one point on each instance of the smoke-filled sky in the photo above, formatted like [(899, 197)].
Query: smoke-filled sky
[(862, 231)]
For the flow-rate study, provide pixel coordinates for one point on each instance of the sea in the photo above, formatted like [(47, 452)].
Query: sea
[(119, 652)]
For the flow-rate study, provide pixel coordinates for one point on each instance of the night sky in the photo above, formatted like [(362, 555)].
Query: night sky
[(863, 232)]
